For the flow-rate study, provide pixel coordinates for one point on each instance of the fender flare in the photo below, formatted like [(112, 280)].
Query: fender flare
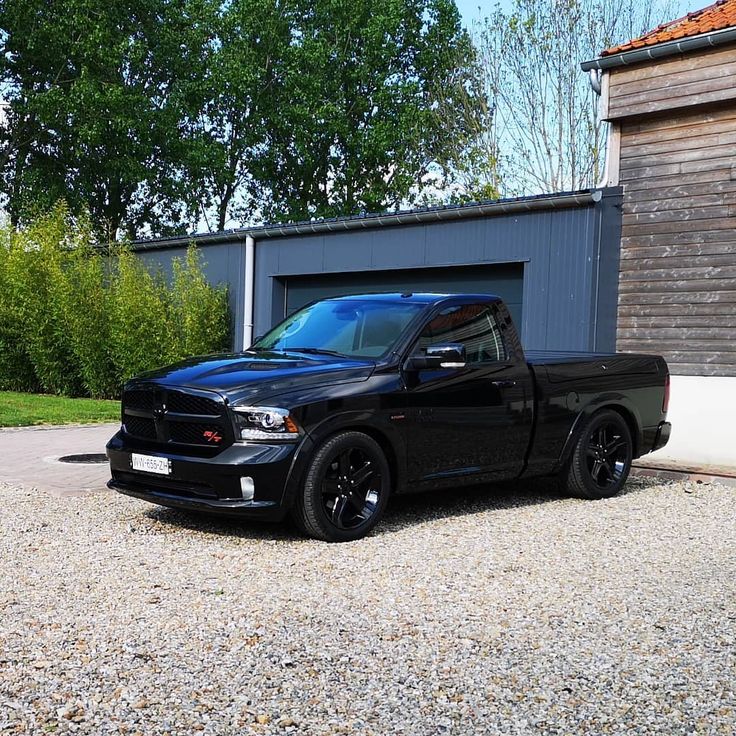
[(388, 436), (613, 400)]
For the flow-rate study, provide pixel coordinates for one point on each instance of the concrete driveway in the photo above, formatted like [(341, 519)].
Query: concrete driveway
[(29, 456)]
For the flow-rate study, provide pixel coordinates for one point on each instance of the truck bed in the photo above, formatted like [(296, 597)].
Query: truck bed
[(569, 366), (570, 385)]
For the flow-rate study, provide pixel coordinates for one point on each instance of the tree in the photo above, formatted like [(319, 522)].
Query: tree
[(155, 114), (228, 104), (545, 112), (352, 121), (95, 103)]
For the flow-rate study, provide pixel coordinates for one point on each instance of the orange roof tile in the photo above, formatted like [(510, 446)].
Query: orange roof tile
[(716, 17)]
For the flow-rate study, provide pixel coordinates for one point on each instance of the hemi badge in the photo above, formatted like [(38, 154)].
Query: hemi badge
[(397, 417)]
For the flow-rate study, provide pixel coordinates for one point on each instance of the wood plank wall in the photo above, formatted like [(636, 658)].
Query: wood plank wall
[(678, 82), (677, 283)]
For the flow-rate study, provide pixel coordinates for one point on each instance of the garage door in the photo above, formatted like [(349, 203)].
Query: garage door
[(504, 280)]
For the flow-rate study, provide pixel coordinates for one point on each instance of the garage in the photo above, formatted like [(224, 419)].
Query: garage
[(550, 257), (504, 280)]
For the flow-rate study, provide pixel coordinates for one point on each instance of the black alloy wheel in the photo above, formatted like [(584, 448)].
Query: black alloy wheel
[(607, 455), (345, 489), (350, 488), (601, 460)]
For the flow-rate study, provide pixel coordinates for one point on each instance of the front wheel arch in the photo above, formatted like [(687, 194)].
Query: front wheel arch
[(328, 485), (392, 448)]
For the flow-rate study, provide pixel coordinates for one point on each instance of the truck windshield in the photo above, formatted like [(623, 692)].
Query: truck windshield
[(355, 328)]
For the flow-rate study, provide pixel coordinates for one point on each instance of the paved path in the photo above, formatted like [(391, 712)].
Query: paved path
[(29, 457)]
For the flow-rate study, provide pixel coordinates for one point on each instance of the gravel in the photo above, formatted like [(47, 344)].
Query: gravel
[(499, 611)]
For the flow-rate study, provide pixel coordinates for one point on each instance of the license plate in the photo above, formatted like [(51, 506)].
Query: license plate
[(149, 464)]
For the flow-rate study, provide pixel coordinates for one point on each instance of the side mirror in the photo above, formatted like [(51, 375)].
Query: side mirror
[(441, 355)]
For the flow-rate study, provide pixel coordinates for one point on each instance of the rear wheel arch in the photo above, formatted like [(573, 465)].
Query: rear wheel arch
[(590, 411), (601, 457), (631, 423)]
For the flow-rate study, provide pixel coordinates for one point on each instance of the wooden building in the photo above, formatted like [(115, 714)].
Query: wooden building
[(670, 99)]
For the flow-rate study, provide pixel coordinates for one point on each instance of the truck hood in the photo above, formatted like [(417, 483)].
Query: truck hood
[(256, 376)]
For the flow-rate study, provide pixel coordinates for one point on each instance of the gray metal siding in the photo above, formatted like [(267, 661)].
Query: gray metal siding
[(562, 251), (570, 262)]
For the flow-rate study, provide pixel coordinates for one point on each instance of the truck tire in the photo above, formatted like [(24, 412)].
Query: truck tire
[(345, 489), (601, 459)]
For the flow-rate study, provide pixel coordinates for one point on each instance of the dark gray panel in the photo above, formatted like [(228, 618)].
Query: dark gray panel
[(504, 280), (456, 242), (398, 247), (347, 255), (608, 239), (529, 234), (570, 272), (297, 255)]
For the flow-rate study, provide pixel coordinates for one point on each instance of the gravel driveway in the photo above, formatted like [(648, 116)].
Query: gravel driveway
[(509, 611)]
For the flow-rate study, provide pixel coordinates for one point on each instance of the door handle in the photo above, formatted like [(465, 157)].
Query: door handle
[(503, 384)]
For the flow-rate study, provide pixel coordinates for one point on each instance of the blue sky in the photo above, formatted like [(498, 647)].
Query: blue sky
[(474, 9)]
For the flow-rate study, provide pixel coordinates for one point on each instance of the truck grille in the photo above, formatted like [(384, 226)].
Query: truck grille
[(173, 416), (140, 427), (190, 404), (136, 399)]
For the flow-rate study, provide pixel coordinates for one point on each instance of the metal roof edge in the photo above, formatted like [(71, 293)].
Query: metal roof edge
[(660, 50), (360, 222)]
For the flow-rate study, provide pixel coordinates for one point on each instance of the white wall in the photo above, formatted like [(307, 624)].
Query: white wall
[(703, 415)]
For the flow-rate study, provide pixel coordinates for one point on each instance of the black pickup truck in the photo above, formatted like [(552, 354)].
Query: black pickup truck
[(352, 399)]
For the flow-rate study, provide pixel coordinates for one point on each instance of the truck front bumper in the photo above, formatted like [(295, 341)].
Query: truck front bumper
[(208, 484)]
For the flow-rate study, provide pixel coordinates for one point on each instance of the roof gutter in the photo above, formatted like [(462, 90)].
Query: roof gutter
[(670, 48), (523, 204)]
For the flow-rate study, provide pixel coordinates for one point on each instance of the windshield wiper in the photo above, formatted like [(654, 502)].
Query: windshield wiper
[(316, 351)]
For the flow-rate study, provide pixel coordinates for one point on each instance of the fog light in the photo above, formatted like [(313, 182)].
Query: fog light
[(247, 488)]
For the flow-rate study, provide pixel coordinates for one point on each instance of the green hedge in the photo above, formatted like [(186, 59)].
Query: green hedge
[(77, 320)]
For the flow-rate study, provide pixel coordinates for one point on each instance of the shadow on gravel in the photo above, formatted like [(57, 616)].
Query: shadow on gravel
[(403, 511), (223, 526), (409, 510)]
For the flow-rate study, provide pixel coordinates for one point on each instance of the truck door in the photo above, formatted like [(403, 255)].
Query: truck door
[(469, 421)]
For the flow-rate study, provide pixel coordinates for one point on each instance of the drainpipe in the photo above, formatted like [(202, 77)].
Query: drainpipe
[(609, 175), (594, 75), (250, 278)]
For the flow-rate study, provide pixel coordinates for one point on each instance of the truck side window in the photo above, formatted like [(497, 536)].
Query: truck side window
[(473, 325)]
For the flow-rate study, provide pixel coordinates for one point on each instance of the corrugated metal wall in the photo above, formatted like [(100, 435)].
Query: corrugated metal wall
[(569, 257)]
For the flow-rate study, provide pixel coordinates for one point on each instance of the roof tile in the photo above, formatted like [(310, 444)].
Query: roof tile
[(716, 17)]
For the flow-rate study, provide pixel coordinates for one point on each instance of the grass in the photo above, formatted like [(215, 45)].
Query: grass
[(23, 410)]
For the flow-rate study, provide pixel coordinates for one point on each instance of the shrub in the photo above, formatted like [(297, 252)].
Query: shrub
[(16, 369), (78, 320), (200, 313), (142, 335), (38, 264), (87, 306)]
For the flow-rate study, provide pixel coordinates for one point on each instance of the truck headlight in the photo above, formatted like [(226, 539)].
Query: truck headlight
[(265, 423)]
